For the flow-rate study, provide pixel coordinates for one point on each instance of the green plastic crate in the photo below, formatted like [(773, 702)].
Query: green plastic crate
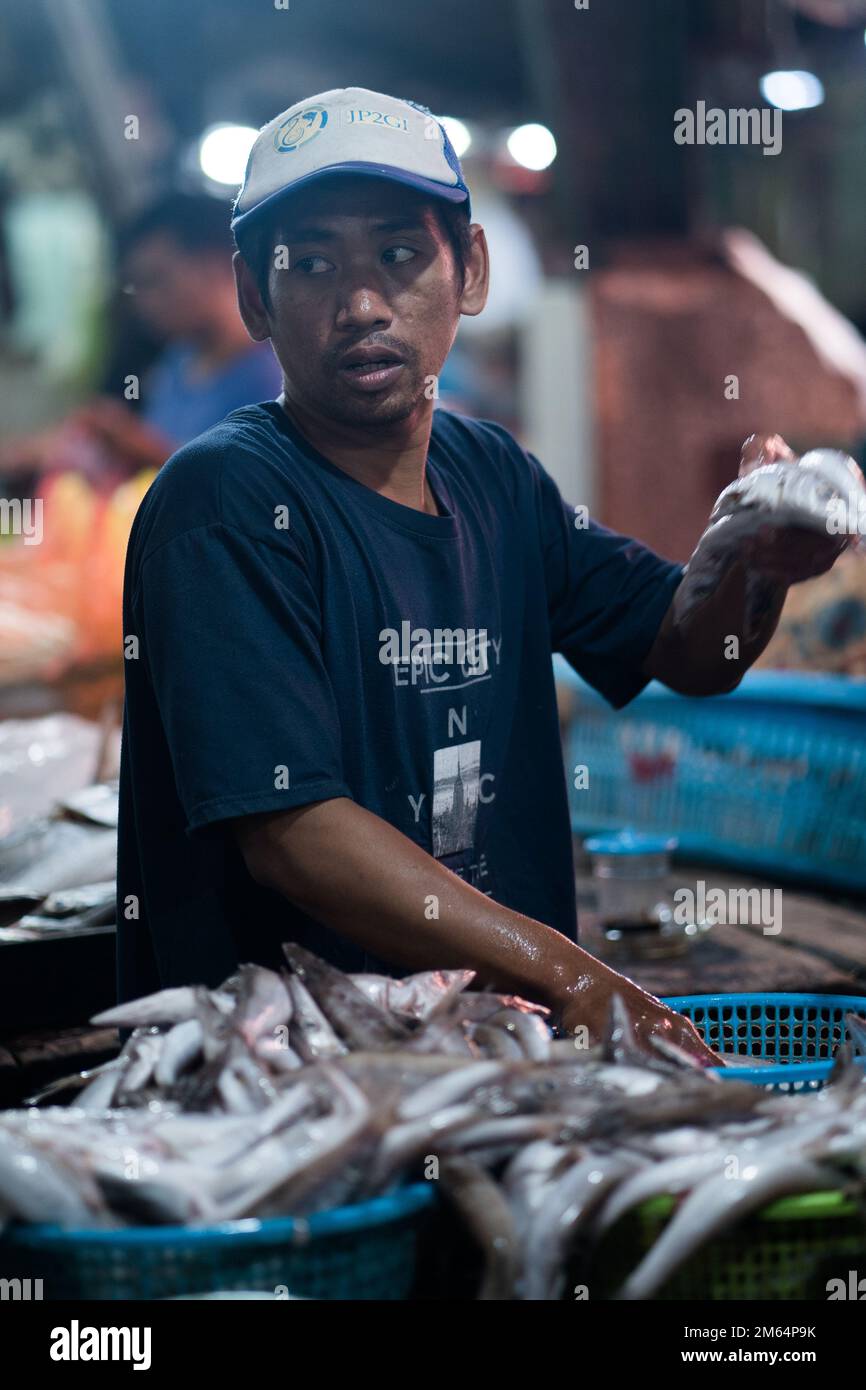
[(788, 1251)]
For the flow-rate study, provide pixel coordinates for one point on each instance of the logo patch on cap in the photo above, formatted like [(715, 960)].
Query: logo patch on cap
[(300, 129), (360, 116)]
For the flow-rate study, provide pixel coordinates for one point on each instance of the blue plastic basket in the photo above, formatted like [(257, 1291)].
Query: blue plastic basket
[(771, 777), (800, 1032), (366, 1251)]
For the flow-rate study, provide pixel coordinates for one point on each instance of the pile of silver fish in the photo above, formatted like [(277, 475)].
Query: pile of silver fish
[(289, 1093)]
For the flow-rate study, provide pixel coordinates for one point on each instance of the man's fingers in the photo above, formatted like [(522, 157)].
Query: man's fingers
[(759, 449), (679, 1030), (691, 1041), (775, 448)]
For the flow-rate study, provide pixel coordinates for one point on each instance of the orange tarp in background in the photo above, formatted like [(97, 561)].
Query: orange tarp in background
[(60, 600)]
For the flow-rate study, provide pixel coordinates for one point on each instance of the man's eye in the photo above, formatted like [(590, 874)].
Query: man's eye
[(312, 265), (395, 255)]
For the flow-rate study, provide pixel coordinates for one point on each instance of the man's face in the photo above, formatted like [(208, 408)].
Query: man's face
[(366, 312), (173, 287)]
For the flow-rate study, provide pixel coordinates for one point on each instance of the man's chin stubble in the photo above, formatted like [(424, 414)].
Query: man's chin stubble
[(372, 413)]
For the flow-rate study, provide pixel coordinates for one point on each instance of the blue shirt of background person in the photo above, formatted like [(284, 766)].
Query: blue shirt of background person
[(181, 403)]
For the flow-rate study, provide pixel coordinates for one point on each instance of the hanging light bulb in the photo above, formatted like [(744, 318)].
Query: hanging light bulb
[(792, 90)]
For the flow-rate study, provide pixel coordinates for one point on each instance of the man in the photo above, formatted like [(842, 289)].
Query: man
[(175, 259), (341, 606)]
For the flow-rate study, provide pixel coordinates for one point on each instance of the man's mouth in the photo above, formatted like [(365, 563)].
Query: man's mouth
[(372, 368)]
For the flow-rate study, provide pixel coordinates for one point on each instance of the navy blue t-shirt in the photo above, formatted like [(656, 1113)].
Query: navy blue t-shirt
[(268, 666)]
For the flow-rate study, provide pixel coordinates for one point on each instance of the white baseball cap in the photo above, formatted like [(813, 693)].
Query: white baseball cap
[(348, 131)]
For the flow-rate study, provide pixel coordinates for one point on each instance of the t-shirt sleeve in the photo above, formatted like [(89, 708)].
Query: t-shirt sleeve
[(607, 594), (230, 634)]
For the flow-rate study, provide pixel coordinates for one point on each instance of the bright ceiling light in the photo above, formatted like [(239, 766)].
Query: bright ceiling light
[(223, 152), (458, 134), (533, 146), (792, 91)]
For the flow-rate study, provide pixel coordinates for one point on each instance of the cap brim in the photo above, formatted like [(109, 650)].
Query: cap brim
[(452, 194)]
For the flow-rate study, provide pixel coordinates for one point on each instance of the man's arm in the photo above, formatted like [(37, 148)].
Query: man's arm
[(130, 440), (120, 430), (358, 875), (693, 652)]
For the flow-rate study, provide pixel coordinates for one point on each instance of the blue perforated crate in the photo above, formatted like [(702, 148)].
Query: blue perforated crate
[(365, 1251), (771, 777), (798, 1033)]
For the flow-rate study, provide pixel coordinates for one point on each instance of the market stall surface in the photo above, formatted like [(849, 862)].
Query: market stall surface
[(819, 948)]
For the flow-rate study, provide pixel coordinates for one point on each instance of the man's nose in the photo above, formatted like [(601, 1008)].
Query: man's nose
[(363, 307)]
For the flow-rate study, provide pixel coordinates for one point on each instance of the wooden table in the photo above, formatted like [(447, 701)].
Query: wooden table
[(31, 1060), (821, 947)]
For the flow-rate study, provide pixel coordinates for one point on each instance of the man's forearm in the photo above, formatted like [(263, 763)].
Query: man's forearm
[(358, 875), (355, 873)]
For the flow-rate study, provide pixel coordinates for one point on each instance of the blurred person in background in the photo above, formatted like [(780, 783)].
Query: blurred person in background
[(175, 260)]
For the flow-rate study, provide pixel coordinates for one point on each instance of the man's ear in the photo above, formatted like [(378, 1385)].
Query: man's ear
[(252, 309), (477, 279)]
